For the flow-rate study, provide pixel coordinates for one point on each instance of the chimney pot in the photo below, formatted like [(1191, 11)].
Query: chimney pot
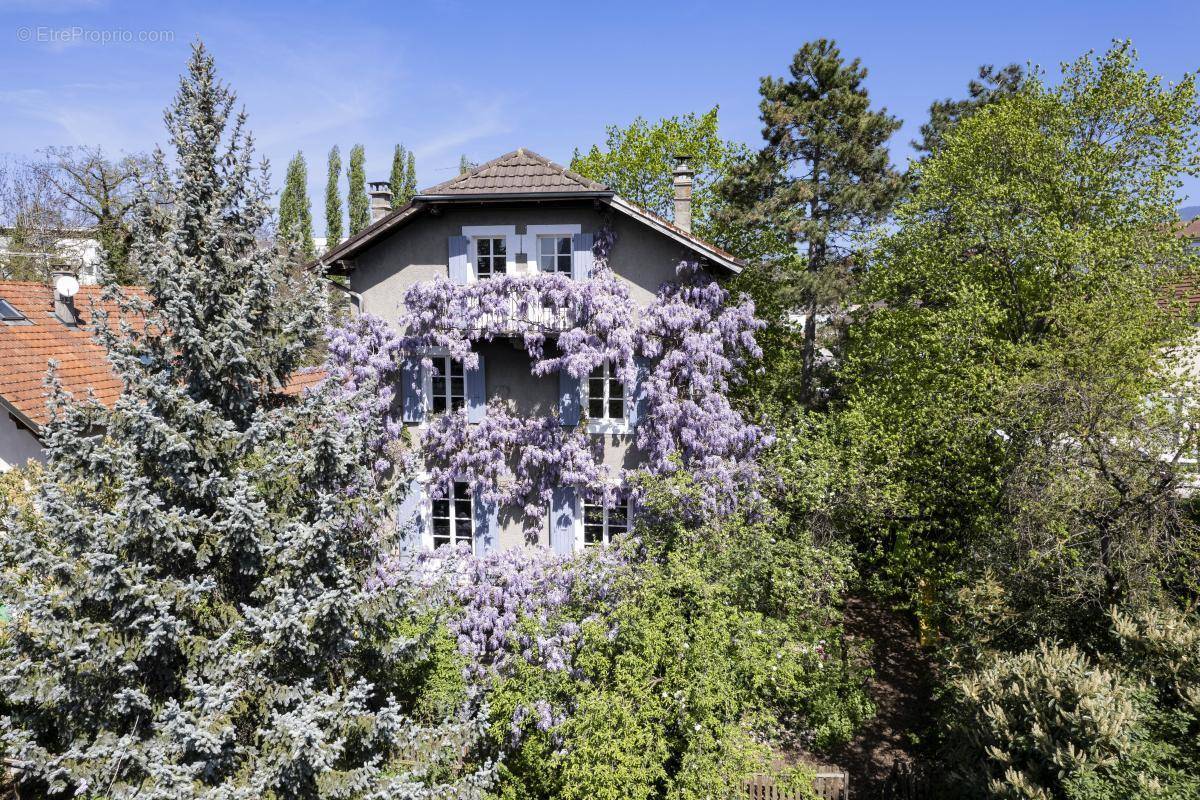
[(683, 192), (381, 200)]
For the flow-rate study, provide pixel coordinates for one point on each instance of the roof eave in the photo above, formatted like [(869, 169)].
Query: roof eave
[(458, 197)]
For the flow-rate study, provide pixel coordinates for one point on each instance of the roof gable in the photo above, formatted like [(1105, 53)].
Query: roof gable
[(519, 172)]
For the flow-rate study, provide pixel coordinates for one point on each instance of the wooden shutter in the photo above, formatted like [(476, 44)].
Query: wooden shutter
[(410, 517), (568, 398), (562, 520), (476, 390), (635, 407), (412, 389), (582, 258), (460, 269), (487, 525)]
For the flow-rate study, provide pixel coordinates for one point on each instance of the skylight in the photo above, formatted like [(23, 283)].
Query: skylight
[(8, 313)]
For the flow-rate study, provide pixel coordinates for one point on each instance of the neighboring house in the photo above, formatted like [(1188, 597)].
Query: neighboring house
[(77, 247), (518, 214), (37, 327)]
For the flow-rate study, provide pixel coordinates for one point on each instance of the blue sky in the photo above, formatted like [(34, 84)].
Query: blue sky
[(447, 77)]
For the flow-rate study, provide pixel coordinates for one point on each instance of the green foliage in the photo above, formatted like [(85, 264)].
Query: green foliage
[(822, 179), (403, 179), (333, 200), (295, 213), (1005, 385), (991, 85), (1033, 723), (638, 161), (357, 202), (720, 645)]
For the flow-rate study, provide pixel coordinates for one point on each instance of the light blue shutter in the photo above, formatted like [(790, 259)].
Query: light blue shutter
[(568, 398), (636, 408), (582, 258), (459, 268), (487, 525), (412, 389), (476, 393), (562, 520), (410, 518)]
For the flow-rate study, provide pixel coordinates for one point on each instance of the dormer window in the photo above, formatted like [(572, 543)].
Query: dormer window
[(491, 256), (554, 254)]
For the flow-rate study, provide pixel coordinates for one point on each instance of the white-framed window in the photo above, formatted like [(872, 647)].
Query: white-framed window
[(551, 248), (554, 254), (447, 385), (491, 256), (451, 518), (605, 395), (602, 523), (493, 250)]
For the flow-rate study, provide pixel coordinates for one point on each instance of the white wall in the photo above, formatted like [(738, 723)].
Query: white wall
[(17, 444)]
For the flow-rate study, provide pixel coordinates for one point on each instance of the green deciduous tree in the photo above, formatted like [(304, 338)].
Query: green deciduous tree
[(295, 212), (333, 200), (1010, 386), (822, 178), (189, 612), (991, 85), (357, 202)]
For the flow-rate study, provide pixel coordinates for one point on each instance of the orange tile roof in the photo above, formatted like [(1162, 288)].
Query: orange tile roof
[(27, 349)]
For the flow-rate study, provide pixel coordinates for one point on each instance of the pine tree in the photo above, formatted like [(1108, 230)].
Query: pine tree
[(822, 176), (465, 164), (410, 178), (295, 213), (357, 202), (333, 200), (396, 180), (189, 618)]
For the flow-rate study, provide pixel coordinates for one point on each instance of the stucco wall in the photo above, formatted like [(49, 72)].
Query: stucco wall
[(643, 258), (17, 444)]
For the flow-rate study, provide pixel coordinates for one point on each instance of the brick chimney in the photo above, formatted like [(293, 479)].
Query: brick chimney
[(381, 200), (683, 192)]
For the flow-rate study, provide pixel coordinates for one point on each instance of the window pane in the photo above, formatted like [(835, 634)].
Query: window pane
[(441, 507), (616, 409), (616, 388), (485, 247), (596, 408), (593, 535), (456, 387), (499, 247), (564, 245), (439, 403)]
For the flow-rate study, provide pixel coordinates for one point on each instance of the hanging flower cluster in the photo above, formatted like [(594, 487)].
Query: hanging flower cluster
[(594, 319), (363, 361), (698, 343), (516, 460)]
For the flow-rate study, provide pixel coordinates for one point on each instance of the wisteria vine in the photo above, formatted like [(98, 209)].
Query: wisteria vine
[(694, 340)]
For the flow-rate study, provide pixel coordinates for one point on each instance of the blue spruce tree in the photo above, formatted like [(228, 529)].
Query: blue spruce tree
[(189, 616)]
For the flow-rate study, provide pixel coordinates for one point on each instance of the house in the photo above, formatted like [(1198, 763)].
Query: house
[(37, 326), (79, 247), (519, 214)]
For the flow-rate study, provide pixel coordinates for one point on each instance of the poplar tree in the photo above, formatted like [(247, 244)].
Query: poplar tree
[(295, 213), (401, 160), (410, 177), (188, 612), (357, 202), (823, 176), (333, 200)]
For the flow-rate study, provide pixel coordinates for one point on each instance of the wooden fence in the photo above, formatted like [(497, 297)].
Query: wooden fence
[(829, 782)]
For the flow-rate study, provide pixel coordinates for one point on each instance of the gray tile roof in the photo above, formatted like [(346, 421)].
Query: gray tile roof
[(517, 172)]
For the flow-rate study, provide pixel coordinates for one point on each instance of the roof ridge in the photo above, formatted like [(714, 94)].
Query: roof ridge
[(521, 152)]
